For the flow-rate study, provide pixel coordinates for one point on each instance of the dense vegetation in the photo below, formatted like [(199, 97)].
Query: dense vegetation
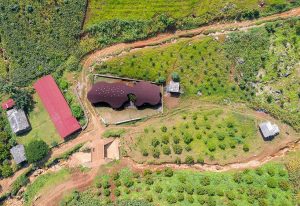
[(268, 185), (39, 36), (257, 66), (36, 150), (6, 142)]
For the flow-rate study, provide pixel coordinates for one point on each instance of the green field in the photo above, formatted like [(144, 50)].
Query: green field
[(44, 182), (42, 126), (268, 185), (189, 11)]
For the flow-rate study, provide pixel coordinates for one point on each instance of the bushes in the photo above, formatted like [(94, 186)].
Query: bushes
[(171, 199), (155, 142), (156, 153), (166, 150), (189, 160), (246, 148), (284, 185), (271, 182), (205, 181), (36, 150), (230, 195), (177, 149), (168, 172), (158, 189), (117, 192)]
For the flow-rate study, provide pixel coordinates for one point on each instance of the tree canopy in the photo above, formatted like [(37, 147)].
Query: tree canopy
[(36, 150)]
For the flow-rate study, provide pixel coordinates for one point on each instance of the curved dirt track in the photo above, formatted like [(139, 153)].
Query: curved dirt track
[(56, 193)]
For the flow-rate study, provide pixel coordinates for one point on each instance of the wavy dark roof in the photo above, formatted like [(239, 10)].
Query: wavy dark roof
[(146, 93), (116, 94)]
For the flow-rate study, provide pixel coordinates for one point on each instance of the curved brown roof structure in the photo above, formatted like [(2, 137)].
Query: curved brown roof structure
[(146, 93), (116, 94)]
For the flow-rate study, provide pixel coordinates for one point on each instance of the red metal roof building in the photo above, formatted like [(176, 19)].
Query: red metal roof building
[(56, 106), (8, 104)]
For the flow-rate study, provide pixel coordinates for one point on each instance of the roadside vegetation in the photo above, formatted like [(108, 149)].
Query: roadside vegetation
[(258, 66), (44, 182), (268, 185)]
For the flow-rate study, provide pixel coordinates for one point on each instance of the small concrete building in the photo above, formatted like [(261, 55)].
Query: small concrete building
[(268, 130), (173, 87), (18, 121), (18, 153)]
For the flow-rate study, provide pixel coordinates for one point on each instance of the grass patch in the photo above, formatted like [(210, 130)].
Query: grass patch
[(40, 122), (113, 133), (43, 183)]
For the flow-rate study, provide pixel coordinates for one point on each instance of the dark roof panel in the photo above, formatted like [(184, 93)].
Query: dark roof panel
[(116, 94)]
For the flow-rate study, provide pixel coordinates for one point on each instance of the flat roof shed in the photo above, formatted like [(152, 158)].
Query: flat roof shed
[(18, 153), (56, 106), (268, 130), (18, 120)]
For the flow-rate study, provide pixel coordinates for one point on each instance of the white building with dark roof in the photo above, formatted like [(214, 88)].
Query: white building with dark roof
[(18, 153), (269, 130), (18, 121)]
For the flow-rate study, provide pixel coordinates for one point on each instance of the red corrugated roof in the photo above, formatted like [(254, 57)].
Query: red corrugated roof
[(56, 106), (8, 104)]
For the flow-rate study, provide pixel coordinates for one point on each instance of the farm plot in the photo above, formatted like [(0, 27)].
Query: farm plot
[(213, 135), (268, 185), (201, 65)]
